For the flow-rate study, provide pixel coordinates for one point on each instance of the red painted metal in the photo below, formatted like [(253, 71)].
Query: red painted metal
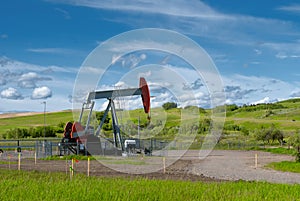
[(145, 94), (77, 127), (68, 130)]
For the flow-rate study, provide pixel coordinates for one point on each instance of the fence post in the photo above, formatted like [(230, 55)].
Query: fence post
[(72, 167), (35, 158), (66, 166), (256, 159), (19, 161), (88, 167), (164, 164)]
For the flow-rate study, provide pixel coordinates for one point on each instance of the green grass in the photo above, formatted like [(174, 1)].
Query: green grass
[(286, 119), (77, 157), (68, 157), (285, 166), (127, 162), (7, 162), (58, 186), (52, 119), (277, 150), (103, 158)]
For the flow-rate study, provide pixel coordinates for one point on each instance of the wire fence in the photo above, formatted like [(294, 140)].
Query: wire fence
[(30, 148)]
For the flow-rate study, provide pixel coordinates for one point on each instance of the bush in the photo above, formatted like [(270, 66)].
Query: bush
[(231, 107), (262, 106), (271, 134), (17, 133), (295, 142), (169, 105), (36, 132)]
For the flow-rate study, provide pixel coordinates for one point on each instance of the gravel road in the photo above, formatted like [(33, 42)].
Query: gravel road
[(240, 165), (219, 165)]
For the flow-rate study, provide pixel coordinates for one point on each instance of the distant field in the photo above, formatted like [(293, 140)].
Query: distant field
[(32, 120), (284, 115)]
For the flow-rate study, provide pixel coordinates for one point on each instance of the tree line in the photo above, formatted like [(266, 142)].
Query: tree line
[(32, 132)]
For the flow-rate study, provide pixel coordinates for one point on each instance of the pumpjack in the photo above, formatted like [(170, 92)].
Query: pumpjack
[(84, 139)]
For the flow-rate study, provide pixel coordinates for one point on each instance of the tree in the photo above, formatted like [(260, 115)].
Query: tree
[(106, 124), (272, 133), (99, 116), (36, 132), (277, 135), (295, 142), (231, 107), (169, 105)]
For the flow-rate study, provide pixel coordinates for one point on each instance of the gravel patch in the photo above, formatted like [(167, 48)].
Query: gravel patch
[(240, 165), (220, 165)]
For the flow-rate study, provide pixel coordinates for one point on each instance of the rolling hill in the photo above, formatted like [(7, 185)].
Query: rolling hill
[(240, 120)]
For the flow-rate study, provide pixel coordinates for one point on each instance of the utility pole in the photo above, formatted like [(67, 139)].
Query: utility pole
[(44, 102), (139, 136)]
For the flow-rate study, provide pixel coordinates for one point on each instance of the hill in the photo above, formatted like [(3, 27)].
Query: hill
[(241, 121), (27, 120)]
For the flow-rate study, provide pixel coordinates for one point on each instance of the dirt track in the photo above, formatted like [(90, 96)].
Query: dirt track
[(219, 165), (18, 114)]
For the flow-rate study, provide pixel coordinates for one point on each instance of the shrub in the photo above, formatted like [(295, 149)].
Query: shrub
[(36, 132), (270, 134), (295, 142), (169, 105)]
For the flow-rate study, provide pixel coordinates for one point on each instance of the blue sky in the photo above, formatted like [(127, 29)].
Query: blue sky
[(255, 45)]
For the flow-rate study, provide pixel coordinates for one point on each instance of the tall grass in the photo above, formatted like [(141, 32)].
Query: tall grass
[(57, 186), (285, 166)]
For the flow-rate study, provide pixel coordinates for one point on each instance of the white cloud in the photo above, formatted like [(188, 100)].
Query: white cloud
[(264, 100), (257, 51), (17, 67), (130, 60), (89, 70), (284, 50), (29, 76), (143, 56), (242, 89), (291, 8), (53, 50), (65, 13), (196, 18), (21, 80), (41, 93), (145, 74), (3, 36), (11, 93), (27, 84), (120, 85), (281, 55), (28, 80), (115, 58), (295, 93), (173, 8)]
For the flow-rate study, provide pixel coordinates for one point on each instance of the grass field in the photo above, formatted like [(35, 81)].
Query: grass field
[(52, 119), (285, 118), (165, 124), (57, 186), (285, 166), (278, 150)]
